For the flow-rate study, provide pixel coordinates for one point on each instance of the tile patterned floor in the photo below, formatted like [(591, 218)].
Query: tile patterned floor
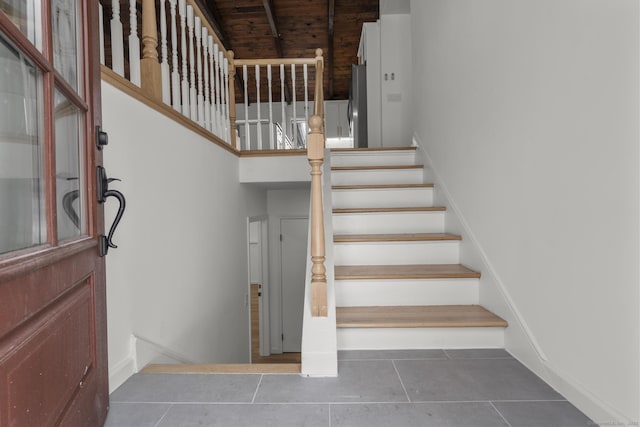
[(453, 388)]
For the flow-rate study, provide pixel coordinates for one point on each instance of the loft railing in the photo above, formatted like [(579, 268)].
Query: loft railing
[(182, 64), (278, 96), (190, 72)]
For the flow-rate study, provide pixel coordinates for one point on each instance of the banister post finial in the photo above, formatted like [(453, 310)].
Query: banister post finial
[(318, 53)]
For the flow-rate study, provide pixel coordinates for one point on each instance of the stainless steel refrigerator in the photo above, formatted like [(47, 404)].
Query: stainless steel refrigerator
[(358, 105)]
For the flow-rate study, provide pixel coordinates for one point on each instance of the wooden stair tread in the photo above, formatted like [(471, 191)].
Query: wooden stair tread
[(369, 149), (379, 186), (413, 237), (382, 167), (398, 209), (412, 271), (224, 368), (429, 316)]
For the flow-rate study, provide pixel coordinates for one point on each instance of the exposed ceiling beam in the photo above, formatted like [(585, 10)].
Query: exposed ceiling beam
[(332, 11), (277, 40)]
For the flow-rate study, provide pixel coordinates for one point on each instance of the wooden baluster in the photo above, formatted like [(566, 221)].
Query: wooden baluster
[(283, 103), (175, 75), (231, 101), (164, 64), (193, 95), (205, 54), (198, 32), (117, 36), (306, 94), (247, 130), (213, 49), (182, 9), (315, 154), (258, 123), (271, 145), (101, 25), (149, 65), (134, 45)]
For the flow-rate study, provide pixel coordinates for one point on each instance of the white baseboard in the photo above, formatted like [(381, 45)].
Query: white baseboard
[(120, 372), (519, 339)]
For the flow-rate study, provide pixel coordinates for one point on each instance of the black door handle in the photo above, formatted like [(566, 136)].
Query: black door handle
[(106, 242)]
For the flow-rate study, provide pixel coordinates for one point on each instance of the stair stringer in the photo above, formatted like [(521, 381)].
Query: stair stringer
[(519, 339), (319, 352)]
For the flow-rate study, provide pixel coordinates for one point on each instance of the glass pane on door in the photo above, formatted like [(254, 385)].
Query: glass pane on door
[(64, 25), (25, 14), (22, 206), (69, 173)]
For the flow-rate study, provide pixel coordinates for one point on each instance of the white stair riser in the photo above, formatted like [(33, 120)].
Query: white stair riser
[(385, 158), (377, 176), (419, 338), (385, 223), (382, 198), (387, 292), (395, 253)]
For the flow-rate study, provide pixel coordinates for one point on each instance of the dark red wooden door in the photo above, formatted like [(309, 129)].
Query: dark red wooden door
[(53, 352)]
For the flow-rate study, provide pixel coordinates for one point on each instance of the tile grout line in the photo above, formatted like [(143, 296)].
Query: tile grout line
[(500, 413), (446, 354), (401, 382), (255, 393), (163, 415)]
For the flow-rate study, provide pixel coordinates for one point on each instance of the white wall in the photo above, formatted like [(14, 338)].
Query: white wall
[(284, 203), (529, 112), (179, 276)]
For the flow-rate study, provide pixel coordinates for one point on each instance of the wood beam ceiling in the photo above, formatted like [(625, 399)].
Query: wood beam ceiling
[(332, 11)]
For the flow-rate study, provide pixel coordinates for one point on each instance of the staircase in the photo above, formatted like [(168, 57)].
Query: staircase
[(399, 283)]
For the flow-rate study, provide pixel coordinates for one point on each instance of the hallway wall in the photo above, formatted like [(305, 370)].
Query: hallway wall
[(528, 110), (179, 277)]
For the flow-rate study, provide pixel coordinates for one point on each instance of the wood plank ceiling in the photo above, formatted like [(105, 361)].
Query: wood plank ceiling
[(293, 29)]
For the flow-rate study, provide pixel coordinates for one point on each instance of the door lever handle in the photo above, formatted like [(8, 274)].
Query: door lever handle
[(106, 242)]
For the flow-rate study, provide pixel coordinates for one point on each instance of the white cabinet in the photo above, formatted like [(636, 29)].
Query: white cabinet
[(336, 124), (385, 47), (369, 54)]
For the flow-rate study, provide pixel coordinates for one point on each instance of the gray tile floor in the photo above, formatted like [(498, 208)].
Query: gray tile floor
[(453, 388)]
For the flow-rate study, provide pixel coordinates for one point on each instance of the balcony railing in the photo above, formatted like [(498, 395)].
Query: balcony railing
[(177, 62)]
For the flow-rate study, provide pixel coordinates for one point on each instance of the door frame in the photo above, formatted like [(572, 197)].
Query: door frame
[(63, 271), (264, 314), (280, 260)]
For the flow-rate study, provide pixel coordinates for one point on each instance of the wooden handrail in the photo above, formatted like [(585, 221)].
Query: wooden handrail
[(275, 61), (315, 154)]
